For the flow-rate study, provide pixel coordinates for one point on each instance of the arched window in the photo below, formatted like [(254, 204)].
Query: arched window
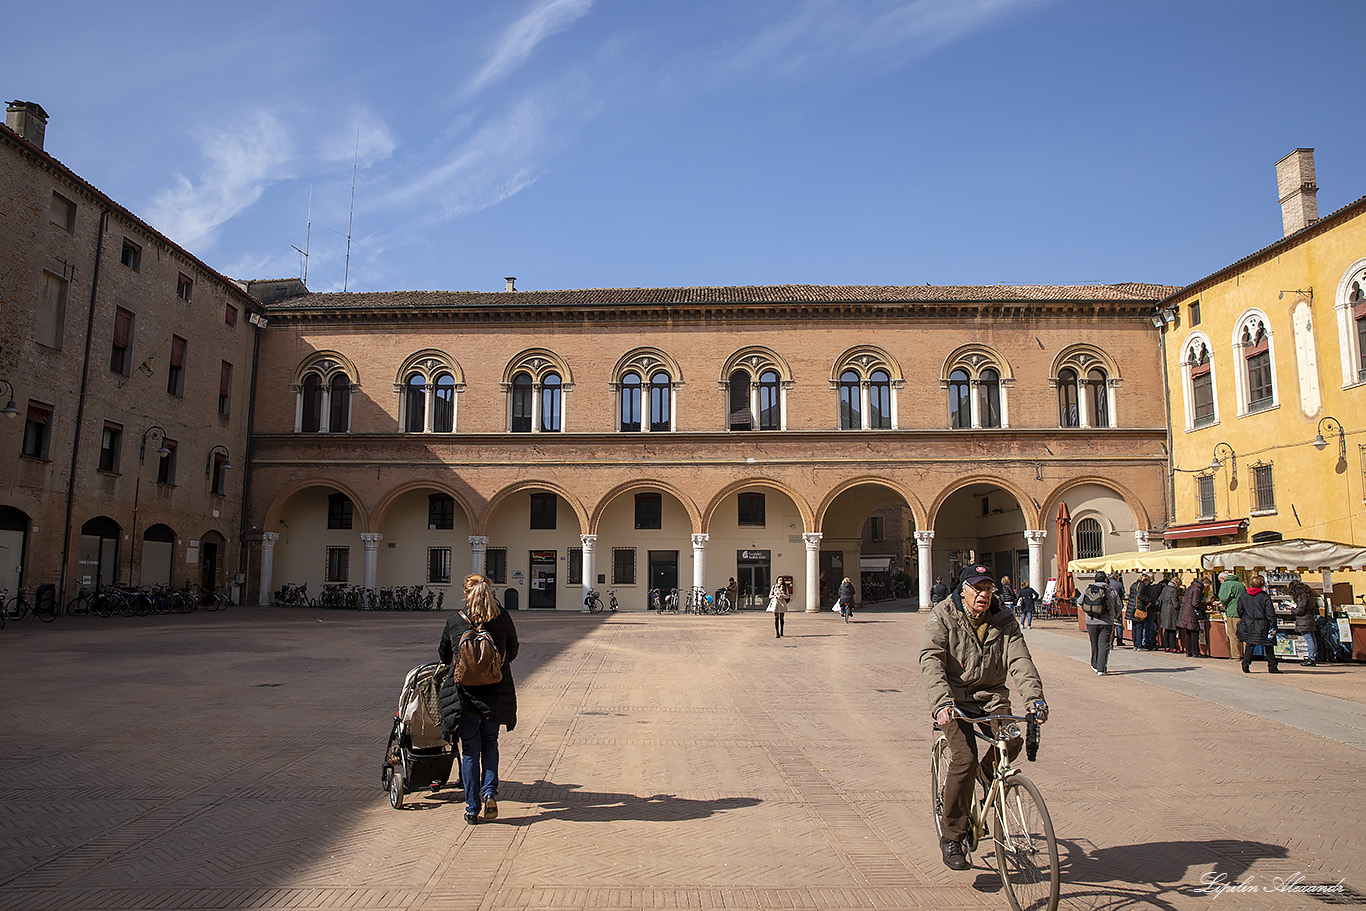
[(629, 408), (443, 409), (960, 401), (312, 395), (769, 407), (851, 401), (551, 403), (740, 416), (880, 400), (661, 391), (521, 403), (1068, 413), (1357, 300), (415, 404), (1097, 400), (989, 395), (1257, 360), (340, 412), (1201, 389), (1090, 539), (1349, 305)]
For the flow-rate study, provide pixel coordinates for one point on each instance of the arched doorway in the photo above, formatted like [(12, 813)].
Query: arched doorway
[(14, 525), (981, 524), (867, 537), (534, 543), (643, 543), (99, 552), (754, 536), (158, 552), (212, 558)]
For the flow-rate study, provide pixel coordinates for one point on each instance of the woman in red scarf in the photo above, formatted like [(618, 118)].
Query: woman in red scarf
[(1257, 624)]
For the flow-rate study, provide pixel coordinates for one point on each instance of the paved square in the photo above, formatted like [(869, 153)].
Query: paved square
[(232, 761)]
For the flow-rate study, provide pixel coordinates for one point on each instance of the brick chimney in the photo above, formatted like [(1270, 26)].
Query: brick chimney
[(1299, 192), (28, 119), (511, 283)]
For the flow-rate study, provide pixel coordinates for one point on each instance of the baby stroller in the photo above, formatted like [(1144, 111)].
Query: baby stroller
[(417, 755)]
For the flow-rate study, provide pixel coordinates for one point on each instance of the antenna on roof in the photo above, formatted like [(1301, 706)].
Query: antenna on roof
[(308, 233), (346, 273)]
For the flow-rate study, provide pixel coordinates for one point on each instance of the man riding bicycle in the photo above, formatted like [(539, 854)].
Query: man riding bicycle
[(969, 645)]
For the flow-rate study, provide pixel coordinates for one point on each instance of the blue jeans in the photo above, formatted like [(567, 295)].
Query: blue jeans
[(1028, 617), (1312, 640), (478, 748)]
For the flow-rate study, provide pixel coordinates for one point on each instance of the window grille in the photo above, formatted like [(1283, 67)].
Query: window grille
[(1204, 497), (1263, 488), (1090, 539), (623, 566)]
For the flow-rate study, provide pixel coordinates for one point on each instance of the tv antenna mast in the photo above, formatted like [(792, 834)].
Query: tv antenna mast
[(308, 234), (346, 272)]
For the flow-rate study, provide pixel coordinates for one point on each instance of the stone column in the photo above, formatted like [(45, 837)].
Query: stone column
[(1142, 538), (371, 557), (478, 545), (590, 567), (699, 560), (268, 540), (1035, 538), (924, 557), (812, 540), (535, 408)]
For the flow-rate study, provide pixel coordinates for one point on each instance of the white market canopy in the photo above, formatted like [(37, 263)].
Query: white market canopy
[(1298, 554)]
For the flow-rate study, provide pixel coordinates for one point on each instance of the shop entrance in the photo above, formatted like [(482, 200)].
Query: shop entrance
[(752, 578), (542, 594), (663, 570), (99, 552)]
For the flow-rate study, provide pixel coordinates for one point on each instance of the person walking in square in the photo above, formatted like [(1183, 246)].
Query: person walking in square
[(474, 713), (1257, 624), (1100, 621), (1117, 585), (1026, 598), (1231, 588), (777, 606)]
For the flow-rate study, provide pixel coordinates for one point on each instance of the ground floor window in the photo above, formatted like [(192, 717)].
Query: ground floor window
[(438, 565), (575, 571), (623, 566), (338, 564), (496, 565)]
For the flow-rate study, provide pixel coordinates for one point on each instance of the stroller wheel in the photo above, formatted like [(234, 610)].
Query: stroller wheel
[(396, 791), (437, 785), (385, 773)]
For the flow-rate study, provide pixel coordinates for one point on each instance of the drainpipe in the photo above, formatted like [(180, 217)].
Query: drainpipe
[(246, 465), (80, 414), (1170, 492)]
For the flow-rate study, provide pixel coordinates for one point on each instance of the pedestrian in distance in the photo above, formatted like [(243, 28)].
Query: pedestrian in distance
[(1101, 606), (1190, 615), (1169, 603), (1150, 600), (1117, 584), (1307, 619), (939, 591), (777, 606), (474, 713), (1008, 594), (1025, 600), (1231, 588), (1257, 624), (1131, 612)]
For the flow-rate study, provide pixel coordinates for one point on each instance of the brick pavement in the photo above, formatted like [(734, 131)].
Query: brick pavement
[(231, 761)]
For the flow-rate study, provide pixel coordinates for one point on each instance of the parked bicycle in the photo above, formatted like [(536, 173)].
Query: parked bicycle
[(43, 606), (1011, 813), (664, 600), (593, 601), (291, 595)]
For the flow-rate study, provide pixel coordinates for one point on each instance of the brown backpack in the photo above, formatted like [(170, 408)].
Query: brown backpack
[(478, 661)]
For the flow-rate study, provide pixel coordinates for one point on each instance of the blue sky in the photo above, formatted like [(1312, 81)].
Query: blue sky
[(635, 143)]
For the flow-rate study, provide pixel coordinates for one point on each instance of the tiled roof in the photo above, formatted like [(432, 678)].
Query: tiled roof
[(753, 294)]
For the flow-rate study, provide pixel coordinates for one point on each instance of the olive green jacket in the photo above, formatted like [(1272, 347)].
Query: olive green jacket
[(957, 669), (1229, 591)]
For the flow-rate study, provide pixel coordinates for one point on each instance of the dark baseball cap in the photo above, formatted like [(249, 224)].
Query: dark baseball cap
[(971, 575)]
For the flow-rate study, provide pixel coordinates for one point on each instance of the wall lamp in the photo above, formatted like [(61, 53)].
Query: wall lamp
[(1163, 317), (1232, 457), (162, 452), (227, 465), (1320, 443), (1307, 292), (9, 410)]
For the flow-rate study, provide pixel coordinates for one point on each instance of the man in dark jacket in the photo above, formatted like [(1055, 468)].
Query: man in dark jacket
[(1101, 606), (969, 646), (939, 591), (1117, 583), (1257, 624)]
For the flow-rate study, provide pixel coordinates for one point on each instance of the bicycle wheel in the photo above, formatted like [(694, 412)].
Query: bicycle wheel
[(45, 609), (939, 776), (17, 608), (1026, 850)]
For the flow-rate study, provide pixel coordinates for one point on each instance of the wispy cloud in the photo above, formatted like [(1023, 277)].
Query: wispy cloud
[(240, 163), (824, 31), (517, 43)]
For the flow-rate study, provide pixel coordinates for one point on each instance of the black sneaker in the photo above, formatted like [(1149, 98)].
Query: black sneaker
[(953, 855), (471, 819)]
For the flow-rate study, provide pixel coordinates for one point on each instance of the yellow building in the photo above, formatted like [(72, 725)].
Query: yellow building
[(1266, 372)]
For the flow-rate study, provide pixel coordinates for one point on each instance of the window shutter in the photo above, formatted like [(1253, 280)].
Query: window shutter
[(38, 415), (123, 323), (177, 351), (225, 379)]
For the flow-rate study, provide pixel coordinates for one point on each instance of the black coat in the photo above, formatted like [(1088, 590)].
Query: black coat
[(938, 592), (497, 701), (847, 594), (1306, 613), (1135, 595), (1256, 617)]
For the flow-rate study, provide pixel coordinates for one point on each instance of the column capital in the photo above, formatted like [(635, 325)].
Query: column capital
[(700, 541), (1035, 535), (812, 539), (1141, 537), (479, 540), (268, 538), (589, 542), (923, 538), (371, 539)]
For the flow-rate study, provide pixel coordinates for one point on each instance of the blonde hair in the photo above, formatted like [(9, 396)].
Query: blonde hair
[(479, 600)]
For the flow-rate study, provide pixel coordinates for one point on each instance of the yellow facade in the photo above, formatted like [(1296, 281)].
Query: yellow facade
[(1282, 331)]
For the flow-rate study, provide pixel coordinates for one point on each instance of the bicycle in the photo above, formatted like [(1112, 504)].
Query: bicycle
[(593, 601), (44, 607), (1019, 824)]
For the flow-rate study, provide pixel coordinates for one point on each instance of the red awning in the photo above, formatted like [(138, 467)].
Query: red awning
[(1205, 530)]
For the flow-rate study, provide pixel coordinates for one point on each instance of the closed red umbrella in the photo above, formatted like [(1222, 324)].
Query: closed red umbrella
[(1065, 591)]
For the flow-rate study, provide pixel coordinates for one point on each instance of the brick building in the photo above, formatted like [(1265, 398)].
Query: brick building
[(652, 438), (128, 362)]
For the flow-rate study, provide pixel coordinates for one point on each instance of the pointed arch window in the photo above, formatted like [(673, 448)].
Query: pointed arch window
[(323, 389), (1201, 385), (427, 384), (1257, 357)]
